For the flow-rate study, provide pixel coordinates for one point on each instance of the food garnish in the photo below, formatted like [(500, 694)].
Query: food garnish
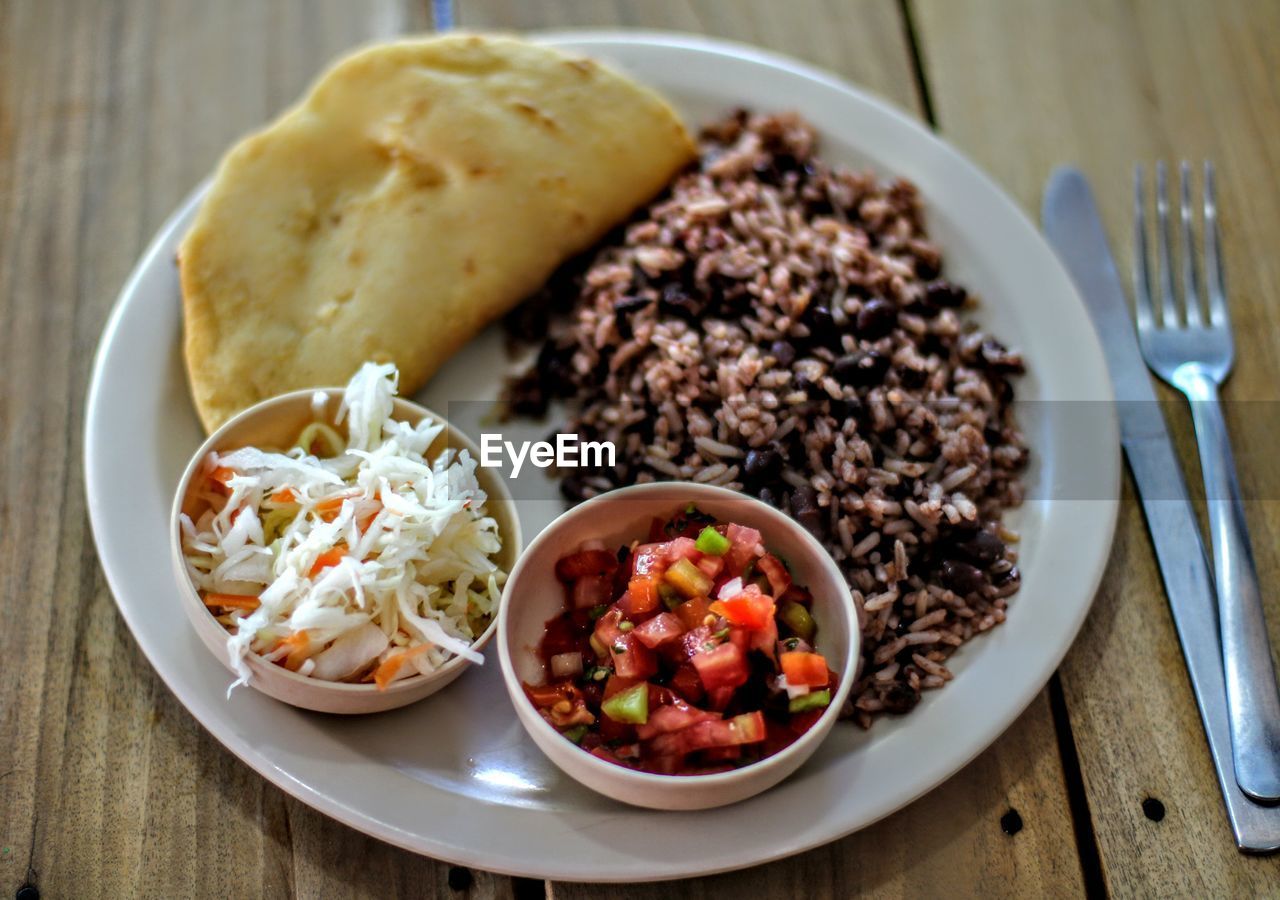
[(352, 558), (671, 656)]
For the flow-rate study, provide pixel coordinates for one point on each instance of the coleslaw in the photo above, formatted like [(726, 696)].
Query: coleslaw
[(347, 558)]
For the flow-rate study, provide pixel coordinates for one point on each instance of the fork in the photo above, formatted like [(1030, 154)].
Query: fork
[(1194, 353)]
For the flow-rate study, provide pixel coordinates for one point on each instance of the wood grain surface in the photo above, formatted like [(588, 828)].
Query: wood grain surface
[(111, 111), (1022, 88)]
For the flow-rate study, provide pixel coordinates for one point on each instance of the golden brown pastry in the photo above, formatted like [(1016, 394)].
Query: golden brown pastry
[(419, 191)]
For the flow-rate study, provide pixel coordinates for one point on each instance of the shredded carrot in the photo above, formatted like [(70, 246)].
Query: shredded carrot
[(299, 644), (391, 665), (221, 476), (328, 558), (367, 519), (231, 601), (329, 507), (285, 495)]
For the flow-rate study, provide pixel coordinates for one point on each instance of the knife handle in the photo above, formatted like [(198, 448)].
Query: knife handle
[(1253, 701)]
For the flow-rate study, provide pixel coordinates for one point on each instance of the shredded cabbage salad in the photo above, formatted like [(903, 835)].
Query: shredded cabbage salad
[(348, 559)]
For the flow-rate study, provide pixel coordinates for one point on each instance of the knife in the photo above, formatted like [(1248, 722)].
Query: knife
[(1070, 221)]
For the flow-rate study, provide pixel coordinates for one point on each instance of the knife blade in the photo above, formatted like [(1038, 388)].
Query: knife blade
[(1071, 222)]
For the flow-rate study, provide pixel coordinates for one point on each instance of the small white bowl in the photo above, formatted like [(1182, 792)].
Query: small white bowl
[(534, 596), (276, 423)]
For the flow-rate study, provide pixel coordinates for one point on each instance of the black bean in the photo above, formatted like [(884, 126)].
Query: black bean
[(927, 268), (767, 495), (630, 304), (762, 463), (945, 294), (913, 378), (677, 303), (960, 577), (900, 698), (876, 319), (783, 351), (823, 330), (573, 488), (862, 369), (1005, 578), (805, 510), (981, 547), (845, 408)]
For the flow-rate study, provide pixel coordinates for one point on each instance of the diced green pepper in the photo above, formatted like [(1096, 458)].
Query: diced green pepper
[(812, 700), (597, 611), (576, 733), (671, 598), (688, 579), (630, 706), (797, 618), (712, 542)]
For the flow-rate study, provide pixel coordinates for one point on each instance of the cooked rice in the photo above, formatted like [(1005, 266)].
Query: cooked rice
[(782, 328)]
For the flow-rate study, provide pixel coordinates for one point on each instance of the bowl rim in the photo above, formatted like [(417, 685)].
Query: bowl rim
[(803, 746), (254, 660)]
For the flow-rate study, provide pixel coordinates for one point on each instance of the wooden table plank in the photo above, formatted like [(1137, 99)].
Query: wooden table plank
[(953, 835), (1023, 87), (109, 114)]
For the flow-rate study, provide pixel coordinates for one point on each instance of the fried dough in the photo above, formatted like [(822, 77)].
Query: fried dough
[(419, 191)]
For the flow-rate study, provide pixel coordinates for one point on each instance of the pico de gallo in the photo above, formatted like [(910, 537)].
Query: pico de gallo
[(686, 654)]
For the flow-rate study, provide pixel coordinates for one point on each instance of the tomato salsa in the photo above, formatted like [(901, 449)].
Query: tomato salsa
[(687, 654)]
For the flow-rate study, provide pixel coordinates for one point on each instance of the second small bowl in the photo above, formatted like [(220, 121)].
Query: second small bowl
[(276, 423), (534, 595)]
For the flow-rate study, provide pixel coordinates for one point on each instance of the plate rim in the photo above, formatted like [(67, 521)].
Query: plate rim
[(457, 854)]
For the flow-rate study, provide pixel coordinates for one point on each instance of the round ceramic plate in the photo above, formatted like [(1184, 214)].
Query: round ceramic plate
[(455, 776)]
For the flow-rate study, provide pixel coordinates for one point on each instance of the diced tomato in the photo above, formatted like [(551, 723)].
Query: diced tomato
[(685, 680), (642, 595), (720, 698), (544, 696), (766, 639), (724, 666), (661, 629), (697, 640), (808, 669), (682, 548), (592, 590), (672, 718), (584, 563), (722, 754), (740, 637), (748, 728), (607, 632), (776, 572), (632, 659), (744, 543), (751, 609), (562, 635), (712, 565), (655, 530), (692, 613), (648, 559), (617, 684)]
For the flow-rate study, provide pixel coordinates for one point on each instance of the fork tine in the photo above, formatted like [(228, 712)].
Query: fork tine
[(1164, 258), (1190, 271), (1141, 275), (1212, 259)]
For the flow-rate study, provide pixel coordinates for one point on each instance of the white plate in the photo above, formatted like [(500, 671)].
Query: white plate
[(455, 776)]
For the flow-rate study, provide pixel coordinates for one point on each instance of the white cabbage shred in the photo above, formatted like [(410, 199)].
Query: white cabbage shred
[(417, 567)]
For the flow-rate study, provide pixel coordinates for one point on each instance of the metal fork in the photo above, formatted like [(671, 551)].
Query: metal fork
[(1194, 354)]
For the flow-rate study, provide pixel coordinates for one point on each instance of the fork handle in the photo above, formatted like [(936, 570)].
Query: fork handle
[(1253, 702)]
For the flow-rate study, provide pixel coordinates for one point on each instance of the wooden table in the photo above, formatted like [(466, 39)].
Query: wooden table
[(111, 111)]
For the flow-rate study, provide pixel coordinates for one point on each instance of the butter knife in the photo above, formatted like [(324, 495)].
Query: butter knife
[(1070, 220)]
